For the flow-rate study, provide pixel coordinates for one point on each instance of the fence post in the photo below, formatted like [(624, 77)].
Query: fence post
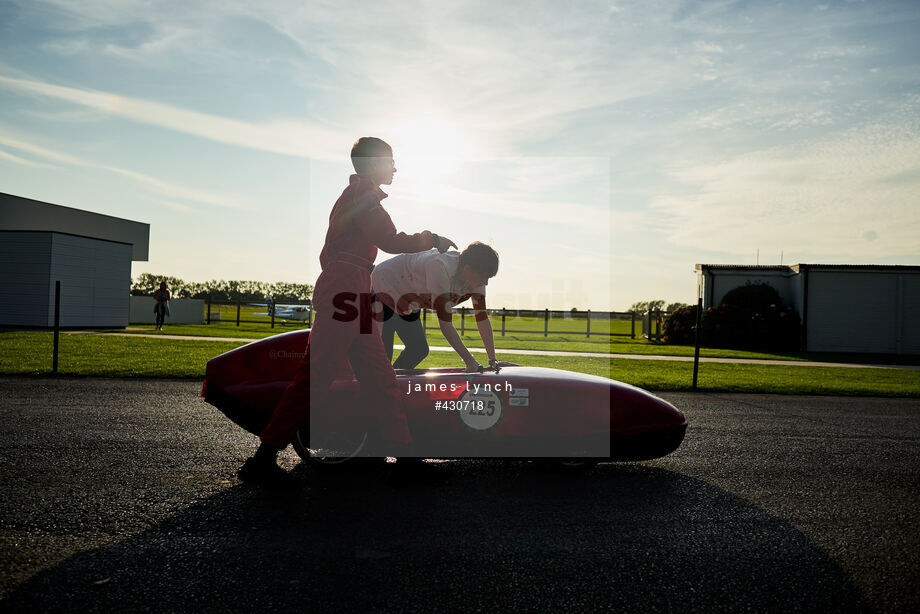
[(208, 320), (57, 324), (633, 333), (588, 334), (462, 320), (237, 311), (310, 315), (271, 308), (545, 322), (696, 351), (657, 326), (504, 311), (424, 319)]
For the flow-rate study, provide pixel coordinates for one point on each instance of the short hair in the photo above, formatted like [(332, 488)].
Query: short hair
[(481, 258), (366, 149)]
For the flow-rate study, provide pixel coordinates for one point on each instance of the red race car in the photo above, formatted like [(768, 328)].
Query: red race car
[(510, 411)]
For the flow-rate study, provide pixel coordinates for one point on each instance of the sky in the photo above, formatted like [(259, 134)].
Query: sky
[(602, 148)]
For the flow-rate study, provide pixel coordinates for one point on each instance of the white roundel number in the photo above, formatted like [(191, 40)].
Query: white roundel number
[(481, 410)]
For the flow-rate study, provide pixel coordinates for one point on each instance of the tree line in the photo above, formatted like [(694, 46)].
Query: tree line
[(222, 291), (657, 305)]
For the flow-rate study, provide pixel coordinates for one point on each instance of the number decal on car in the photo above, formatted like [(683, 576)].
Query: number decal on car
[(485, 409)]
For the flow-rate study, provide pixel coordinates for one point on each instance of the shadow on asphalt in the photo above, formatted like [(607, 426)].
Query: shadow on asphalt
[(494, 535)]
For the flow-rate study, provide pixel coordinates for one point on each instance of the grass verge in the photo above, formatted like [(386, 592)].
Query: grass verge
[(568, 343), (29, 353)]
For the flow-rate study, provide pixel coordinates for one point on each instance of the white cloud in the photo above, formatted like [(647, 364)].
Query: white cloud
[(284, 137), (826, 197), (840, 51), (170, 190), (704, 47), (4, 155), (177, 206)]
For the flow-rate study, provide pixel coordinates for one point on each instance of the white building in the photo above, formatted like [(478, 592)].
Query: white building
[(89, 253), (844, 308)]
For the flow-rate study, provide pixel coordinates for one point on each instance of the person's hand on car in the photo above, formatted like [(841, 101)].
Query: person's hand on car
[(473, 367), (443, 243)]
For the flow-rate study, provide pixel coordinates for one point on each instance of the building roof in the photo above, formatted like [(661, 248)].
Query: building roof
[(24, 214), (764, 267), (796, 268)]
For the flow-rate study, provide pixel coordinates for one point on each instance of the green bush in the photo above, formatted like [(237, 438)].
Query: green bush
[(680, 326), (752, 317)]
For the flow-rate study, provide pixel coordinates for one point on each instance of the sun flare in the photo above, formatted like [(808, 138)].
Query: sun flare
[(428, 150)]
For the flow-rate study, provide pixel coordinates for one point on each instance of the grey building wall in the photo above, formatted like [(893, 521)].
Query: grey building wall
[(25, 263), (25, 214), (851, 310), (845, 308), (95, 278), (910, 314)]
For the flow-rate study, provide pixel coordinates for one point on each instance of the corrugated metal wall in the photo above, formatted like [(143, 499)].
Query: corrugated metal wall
[(95, 281), (910, 314), (25, 265), (852, 312), (849, 309)]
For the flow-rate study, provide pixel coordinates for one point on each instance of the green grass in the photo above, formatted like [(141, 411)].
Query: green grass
[(558, 342), (29, 353), (714, 377)]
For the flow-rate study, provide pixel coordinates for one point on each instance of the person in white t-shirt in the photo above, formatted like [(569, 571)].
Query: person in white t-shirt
[(408, 283)]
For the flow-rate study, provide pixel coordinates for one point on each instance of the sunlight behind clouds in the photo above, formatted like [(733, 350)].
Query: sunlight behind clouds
[(428, 149)]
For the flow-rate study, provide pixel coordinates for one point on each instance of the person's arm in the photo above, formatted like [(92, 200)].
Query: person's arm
[(484, 326), (453, 338), (377, 226), (437, 280)]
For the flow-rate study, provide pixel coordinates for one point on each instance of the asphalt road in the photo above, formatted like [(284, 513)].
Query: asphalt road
[(121, 495)]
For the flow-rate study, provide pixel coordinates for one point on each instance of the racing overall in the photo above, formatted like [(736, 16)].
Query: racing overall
[(358, 225)]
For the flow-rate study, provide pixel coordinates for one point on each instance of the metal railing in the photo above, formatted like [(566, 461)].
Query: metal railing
[(548, 315), (214, 316), (216, 311)]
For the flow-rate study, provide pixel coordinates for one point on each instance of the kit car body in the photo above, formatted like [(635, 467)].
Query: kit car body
[(516, 411)]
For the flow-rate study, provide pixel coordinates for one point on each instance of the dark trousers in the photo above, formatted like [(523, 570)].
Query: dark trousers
[(412, 333), (160, 310)]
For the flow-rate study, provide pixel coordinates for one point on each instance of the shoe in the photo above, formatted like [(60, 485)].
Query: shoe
[(265, 474)]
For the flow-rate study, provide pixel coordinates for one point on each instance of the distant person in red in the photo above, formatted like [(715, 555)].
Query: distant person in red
[(161, 307), (358, 226)]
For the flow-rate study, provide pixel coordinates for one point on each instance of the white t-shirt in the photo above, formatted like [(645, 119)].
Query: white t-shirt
[(414, 281)]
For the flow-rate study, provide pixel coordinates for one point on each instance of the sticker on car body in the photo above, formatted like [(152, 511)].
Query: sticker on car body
[(483, 411)]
